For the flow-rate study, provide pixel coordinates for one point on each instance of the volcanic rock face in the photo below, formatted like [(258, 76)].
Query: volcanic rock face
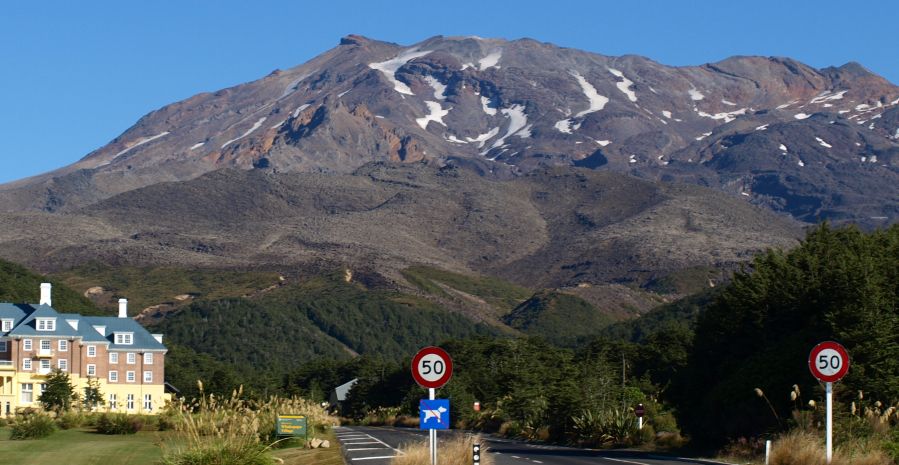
[(813, 143)]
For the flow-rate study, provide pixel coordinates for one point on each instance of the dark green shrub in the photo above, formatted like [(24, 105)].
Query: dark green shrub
[(227, 453), (119, 423), (32, 426)]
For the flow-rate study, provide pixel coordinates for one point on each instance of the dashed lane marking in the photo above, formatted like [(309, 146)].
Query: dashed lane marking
[(624, 461)]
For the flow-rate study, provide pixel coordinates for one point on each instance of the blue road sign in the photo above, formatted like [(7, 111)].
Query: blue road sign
[(433, 414)]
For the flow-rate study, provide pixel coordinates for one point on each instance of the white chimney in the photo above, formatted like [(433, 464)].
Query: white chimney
[(123, 308), (45, 294), (158, 338)]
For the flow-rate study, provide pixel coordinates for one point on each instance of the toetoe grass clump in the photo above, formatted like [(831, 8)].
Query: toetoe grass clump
[(455, 451)]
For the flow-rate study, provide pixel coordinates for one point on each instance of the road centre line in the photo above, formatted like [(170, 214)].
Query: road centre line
[(622, 461)]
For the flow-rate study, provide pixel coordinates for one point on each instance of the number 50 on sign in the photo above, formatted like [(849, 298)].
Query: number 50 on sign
[(828, 361)]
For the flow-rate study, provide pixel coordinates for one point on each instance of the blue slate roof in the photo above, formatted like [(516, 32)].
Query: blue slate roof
[(24, 324), (15, 312)]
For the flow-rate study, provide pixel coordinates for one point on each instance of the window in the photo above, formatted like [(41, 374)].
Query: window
[(63, 345), (46, 324), (129, 376), (124, 338), (148, 377), (45, 365), (62, 364), (113, 376), (91, 351), (43, 387), (26, 364), (113, 357), (130, 404), (148, 402), (26, 344), (131, 358), (27, 393), (148, 358), (3, 347), (45, 345), (91, 369), (113, 401), (7, 326)]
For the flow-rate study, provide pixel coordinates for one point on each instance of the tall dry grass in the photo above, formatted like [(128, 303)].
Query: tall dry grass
[(455, 451), (210, 429), (805, 448)]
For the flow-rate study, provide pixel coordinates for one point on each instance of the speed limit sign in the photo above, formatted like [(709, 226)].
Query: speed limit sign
[(432, 367), (828, 361)]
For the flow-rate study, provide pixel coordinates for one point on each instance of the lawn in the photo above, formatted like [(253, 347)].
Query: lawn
[(82, 447), (85, 447)]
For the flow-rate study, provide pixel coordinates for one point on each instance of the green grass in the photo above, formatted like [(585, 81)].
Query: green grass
[(144, 287), (82, 447), (497, 292)]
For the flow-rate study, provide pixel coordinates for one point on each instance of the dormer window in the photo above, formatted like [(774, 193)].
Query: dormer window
[(46, 324), (125, 339), (6, 325)]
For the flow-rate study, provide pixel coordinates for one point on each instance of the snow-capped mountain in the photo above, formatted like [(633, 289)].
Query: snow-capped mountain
[(813, 143)]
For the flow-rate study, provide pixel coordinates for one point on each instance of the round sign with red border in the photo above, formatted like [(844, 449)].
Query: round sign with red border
[(639, 410), (432, 367), (828, 361)]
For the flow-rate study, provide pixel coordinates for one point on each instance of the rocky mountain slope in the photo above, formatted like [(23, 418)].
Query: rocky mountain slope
[(775, 132), (552, 227)]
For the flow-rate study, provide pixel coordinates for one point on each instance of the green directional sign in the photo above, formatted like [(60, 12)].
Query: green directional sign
[(291, 425)]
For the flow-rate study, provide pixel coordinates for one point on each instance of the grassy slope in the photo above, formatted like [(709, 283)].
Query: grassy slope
[(20, 285), (500, 294), (151, 286), (560, 318), (82, 447)]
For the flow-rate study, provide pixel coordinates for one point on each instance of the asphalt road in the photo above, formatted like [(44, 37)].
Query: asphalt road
[(365, 445)]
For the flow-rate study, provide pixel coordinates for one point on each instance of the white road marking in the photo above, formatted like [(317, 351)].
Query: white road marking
[(537, 461), (516, 457), (366, 448), (374, 458), (358, 443), (624, 461)]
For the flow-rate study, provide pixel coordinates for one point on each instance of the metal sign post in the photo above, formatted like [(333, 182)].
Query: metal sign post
[(432, 394), (829, 362), (639, 411), (476, 454)]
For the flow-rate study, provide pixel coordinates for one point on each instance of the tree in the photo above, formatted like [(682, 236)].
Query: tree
[(93, 398), (59, 392)]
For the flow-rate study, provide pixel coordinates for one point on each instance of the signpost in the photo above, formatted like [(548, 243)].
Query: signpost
[(829, 362), (432, 367), (639, 411), (291, 425)]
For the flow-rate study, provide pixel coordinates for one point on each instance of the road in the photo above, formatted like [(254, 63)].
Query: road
[(365, 445)]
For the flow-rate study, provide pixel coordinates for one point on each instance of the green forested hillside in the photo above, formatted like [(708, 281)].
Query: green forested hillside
[(20, 285), (839, 284)]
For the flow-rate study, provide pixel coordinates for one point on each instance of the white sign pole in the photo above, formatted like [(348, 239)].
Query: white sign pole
[(640, 423), (432, 394), (828, 387)]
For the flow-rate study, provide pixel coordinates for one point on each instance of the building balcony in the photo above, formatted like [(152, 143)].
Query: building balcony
[(7, 365), (44, 353)]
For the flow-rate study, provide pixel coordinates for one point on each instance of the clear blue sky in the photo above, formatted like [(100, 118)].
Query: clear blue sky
[(75, 74)]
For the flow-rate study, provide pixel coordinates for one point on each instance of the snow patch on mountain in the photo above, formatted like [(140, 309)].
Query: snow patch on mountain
[(296, 112), (597, 102), (624, 85), (727, 116), (822, 143), (481, 139), (801, 115), (518, 121), (666, 114), (197, 145), (485, 105), (728, 103), (439, 88), (256, 126), (391, 66), (828, 96), (695, 95), (490, 60), (436, 115), (141, 141)]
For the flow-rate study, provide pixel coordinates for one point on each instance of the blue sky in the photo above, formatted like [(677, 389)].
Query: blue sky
[(74, 75)]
